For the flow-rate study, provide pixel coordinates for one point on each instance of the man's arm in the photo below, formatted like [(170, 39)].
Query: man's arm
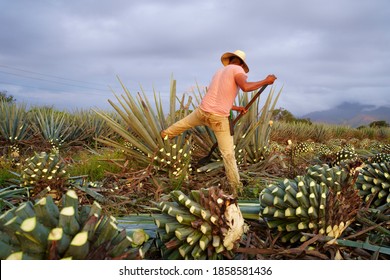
[(246, 86), (239, 109)]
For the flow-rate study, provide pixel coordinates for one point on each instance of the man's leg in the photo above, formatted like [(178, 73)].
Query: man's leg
[(193, 119), (220, 126)]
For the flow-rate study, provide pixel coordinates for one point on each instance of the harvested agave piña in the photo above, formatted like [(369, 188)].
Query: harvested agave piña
[(44, 231), (204, 225), (374, 183), (323, 201)]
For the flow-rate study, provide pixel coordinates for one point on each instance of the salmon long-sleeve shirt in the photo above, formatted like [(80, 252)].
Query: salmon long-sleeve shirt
[(222, 91)]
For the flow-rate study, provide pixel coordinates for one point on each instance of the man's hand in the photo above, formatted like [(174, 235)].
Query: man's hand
[(240, 109), (270, 79)]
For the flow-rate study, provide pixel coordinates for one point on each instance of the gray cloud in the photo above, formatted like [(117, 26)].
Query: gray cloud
[(323, 53)]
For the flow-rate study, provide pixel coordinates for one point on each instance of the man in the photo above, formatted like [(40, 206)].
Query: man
[(215, 107)]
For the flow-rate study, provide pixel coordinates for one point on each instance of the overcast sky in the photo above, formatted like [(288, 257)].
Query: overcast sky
[(68, 53)]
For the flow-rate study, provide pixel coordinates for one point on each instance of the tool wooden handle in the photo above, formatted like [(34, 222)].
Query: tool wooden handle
[(249, 104)]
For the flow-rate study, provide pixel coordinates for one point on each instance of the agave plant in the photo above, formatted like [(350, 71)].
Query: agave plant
[(297, 153), (380, 157), (13, 126), (57, 128), (45, 231), (322, 150), (140, 128), (385, 149), (303, 148), (323, 201), (93, 125), (44, 170), (345, 154)]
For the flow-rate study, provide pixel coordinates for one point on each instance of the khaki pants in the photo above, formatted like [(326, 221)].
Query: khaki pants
[(221, 129)]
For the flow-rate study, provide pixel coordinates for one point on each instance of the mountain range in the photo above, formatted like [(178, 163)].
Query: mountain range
[(352, 114)]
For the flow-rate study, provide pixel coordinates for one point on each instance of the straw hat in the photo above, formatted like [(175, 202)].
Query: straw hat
[(240, 54)]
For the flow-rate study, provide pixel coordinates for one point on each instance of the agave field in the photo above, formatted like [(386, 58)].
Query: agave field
[(95, 184)]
